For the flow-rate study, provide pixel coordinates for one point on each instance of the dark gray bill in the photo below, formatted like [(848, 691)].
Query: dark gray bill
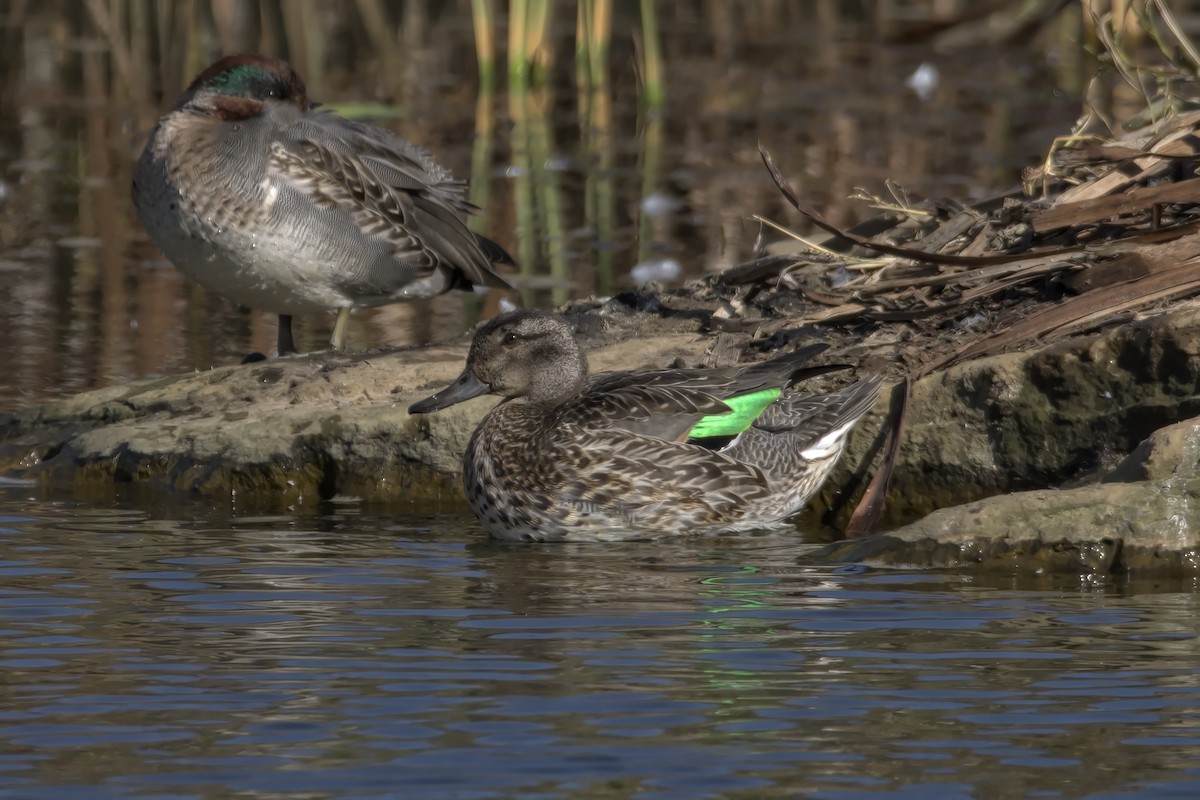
[(465, 387)]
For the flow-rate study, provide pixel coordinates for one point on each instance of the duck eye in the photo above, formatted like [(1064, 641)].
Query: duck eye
[(511, 338)]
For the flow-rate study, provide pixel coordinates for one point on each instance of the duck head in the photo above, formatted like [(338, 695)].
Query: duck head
[(237, 87), (524, 353)]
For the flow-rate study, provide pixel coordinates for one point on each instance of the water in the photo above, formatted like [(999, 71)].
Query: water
[(351, 655)]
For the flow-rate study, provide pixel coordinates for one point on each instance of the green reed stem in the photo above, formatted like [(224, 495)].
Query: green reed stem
[(550, 196), (483, 17), (518, 60), (602, 190), (652, 145), (600, 34), (593, 32), (537, 41), (522, 183), (652, 67)]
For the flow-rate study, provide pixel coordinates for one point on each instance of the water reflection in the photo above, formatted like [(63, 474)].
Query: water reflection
[(563, 170), (358, 656)]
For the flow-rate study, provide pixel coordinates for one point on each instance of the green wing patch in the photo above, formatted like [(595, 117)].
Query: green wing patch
[(744, 409)]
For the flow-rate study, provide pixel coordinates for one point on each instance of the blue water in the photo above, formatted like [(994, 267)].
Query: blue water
[(189, 655)]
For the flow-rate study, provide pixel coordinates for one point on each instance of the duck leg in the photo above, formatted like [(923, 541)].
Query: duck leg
[(285, 343), (338, 340)]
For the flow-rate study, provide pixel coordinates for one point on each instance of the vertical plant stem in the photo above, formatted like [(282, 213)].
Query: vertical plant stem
[(274, 34), (518, 58), (522, 183), (652, 144), (594, 30), (315, 46), (603, 189), (549, 194), (119, 50), (583, 22), (652, 70), (375, 20), (139, 52), (600, 34), (294, 18), (537, 43), (583, 99), (483, 18), (480, 190)]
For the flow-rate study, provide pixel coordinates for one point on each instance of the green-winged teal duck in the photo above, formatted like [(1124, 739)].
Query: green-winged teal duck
[(261, 198), (620, 455)]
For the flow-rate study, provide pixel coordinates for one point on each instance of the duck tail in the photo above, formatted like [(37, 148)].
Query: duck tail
[(494, 252), (798, 439), (846, 408)]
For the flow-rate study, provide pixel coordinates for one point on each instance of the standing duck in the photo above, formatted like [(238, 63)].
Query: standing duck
[(624, 455), (262, 199)]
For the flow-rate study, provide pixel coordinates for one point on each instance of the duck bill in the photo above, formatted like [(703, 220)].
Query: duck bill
[(464, 387)]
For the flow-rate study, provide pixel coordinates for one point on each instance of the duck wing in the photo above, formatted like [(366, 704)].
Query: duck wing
[(393, 192), (677, 404), (664, 412)]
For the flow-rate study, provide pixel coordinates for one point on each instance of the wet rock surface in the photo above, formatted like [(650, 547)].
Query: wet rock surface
[(1046, 417), (282, 433), (1148, 527)]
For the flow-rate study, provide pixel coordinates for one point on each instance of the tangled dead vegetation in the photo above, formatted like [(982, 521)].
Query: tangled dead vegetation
[(1121, 237)]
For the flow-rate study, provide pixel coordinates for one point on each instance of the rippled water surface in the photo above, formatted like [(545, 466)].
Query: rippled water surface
[(356, 656)]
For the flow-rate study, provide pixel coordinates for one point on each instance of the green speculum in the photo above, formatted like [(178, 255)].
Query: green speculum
[(744, 409)]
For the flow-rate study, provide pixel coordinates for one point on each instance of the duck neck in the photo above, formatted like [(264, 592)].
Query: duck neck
[(560, 382)]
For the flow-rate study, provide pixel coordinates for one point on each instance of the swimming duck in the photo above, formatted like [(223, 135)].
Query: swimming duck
[(620, 455), (259, 197)]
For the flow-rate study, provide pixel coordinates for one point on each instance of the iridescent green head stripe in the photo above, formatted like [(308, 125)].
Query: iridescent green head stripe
[(744, 409), (240, 78), (251, 76)]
